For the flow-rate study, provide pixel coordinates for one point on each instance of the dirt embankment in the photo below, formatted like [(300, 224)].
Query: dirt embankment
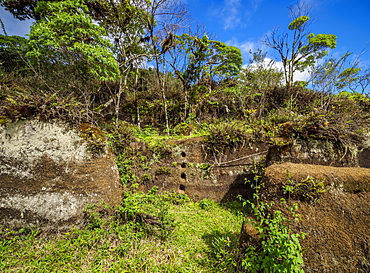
[(335, 206)]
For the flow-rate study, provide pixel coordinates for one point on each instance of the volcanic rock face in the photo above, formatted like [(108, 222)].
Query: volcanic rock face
[(48, 175), (334, 204)]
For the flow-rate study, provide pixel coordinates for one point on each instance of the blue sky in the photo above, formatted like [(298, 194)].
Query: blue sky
[(243, 23)]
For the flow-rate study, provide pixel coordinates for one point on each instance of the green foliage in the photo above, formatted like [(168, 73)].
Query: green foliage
[(163, 170), (125, 167), (183, 129), (303, 50), (298, 22), (227, 61), (206, 204), (280, 249), (96, 141), (12, 53), (228, 134), (67, 35), (307, 189), (161, 148), (207, 59), (149, 232), (205, 166), (120, 134)]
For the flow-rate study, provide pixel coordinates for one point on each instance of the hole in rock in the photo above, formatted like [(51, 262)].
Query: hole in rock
[(183, 176), (183, 165), (183, 154), (182, 187)]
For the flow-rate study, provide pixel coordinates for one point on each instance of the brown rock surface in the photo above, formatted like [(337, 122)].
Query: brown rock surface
[(336, 223), (194, 170), (47, 174)]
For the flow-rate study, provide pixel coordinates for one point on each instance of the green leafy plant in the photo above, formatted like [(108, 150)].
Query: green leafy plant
[(307, 189), (163, 170), (125, 168), (204, 166), (206, 204), (279, 249), (227, 134)]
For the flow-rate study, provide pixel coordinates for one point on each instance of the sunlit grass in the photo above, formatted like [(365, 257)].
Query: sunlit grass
[(195, 237)]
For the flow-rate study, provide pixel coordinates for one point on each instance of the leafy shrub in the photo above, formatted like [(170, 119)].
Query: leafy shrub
[(280, 249), (307, 189), (120, 135), (125, 168), (163, 170), (228, 134), (183, 129)]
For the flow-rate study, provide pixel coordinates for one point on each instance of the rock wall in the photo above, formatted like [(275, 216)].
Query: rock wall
[(193, 169), (49, 175), (335, 214)]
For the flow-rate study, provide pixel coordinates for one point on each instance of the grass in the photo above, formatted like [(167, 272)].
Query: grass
[(187, 237)]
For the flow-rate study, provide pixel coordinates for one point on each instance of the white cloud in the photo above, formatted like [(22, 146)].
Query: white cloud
[(231, 13), (255, 4), (236, 13), (246, 47), (301, 76), (270, 63)]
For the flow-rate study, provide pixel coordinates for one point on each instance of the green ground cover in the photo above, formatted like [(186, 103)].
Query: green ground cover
[(148, 233)]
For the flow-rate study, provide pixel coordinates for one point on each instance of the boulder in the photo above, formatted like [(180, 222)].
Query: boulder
[(50, 172), (334, 204)]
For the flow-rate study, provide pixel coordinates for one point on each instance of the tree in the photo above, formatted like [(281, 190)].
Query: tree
[(66, 36), (126, 23), (170, 16), (196, 59), (340, 74), (12, 52), (21, 9), (204, 58), (301, 51), (261, 73), (225, 62)]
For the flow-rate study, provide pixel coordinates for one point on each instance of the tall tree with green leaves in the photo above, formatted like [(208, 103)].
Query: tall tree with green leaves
[(126, 24), (200, 60), (341, 74), (12, 53), (303, 49), (66, 35), (204, 58)]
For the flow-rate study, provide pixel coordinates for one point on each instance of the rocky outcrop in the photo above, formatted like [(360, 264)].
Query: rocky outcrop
[(334, 203), (49, 172), (193, 169)]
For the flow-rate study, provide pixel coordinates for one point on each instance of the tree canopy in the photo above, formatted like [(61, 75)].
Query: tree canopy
[(301, 51), (67, 35)]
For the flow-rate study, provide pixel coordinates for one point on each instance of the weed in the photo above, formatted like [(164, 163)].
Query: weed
[(149, 232), (307, 189), (119, 135), (279, 249), (204, 166), (125, 165), (206, 204), (96, 141), (228, 134), (163, 170)]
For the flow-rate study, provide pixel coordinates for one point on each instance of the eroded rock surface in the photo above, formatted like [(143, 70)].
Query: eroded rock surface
[(335, 216), (199, 173), (48, 175)]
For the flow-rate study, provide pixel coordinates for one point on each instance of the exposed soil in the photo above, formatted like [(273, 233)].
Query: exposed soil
[(336, 222)]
